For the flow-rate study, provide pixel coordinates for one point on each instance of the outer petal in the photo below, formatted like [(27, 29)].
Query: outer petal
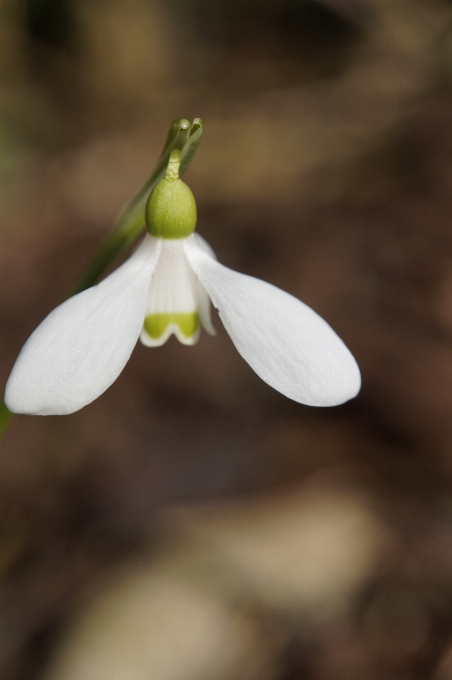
[(288, 345), (204, 309), (204, 300), (81, 347)]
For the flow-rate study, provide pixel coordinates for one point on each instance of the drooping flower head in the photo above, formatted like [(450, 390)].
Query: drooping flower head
[(165, 288), (177, 302)]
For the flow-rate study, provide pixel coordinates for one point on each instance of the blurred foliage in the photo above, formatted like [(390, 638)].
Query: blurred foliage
[(51, 23)]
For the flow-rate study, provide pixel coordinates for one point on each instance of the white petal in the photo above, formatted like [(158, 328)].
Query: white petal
[(204, 309), (79, 350), (288, 345), (173, 299), (202, 243), (204, 300)]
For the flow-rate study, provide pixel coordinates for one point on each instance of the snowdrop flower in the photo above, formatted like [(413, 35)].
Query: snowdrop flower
[(80, 349)]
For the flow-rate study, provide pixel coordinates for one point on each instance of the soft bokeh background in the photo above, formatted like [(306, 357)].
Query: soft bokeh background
[(192, 523)]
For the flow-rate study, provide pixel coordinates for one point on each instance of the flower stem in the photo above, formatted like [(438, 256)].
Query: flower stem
[(184, 137)]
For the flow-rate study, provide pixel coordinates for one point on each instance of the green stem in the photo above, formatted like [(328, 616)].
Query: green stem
[(185, 137)]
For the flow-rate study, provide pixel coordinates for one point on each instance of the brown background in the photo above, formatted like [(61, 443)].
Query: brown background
[(326, 169)]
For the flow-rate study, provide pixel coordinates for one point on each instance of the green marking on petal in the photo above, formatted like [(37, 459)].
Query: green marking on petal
[(156, 324)]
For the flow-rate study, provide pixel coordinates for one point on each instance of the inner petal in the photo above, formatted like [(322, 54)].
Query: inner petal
[(172, 304)]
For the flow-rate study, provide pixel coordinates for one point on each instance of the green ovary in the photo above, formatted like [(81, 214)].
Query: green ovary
[(171, 210), (156, 324)]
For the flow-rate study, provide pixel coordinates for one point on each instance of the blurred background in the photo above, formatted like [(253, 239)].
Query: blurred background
[(192, 523)]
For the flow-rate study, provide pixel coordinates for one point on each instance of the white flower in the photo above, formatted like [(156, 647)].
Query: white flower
[(80, 349)]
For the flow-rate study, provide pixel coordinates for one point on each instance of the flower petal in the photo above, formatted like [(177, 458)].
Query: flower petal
[(202, 243), (81, 347), (204, 310), (288, 345), (172, 300), (203, 297)]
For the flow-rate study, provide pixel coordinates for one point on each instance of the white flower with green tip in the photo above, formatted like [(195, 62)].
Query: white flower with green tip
[(80, 349)]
